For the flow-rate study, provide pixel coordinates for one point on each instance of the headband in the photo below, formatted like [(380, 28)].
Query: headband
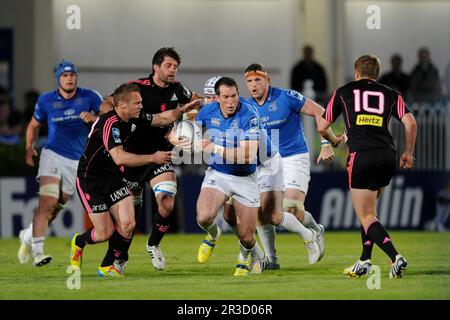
[(256, 73)]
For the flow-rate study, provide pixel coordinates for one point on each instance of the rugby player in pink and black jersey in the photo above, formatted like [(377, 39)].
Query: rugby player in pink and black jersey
[(160, 92), (100, 179), (367, 108)]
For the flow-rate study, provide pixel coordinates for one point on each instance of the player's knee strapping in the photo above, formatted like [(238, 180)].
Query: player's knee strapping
[(49, 190), (166, 188), (293, 203)]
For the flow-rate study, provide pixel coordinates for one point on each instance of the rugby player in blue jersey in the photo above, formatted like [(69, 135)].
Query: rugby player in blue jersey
[(233, 128), (279, 111), (270, 180), (66, 110)]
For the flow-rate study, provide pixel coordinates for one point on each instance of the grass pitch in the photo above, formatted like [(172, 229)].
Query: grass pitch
[(427, 277)]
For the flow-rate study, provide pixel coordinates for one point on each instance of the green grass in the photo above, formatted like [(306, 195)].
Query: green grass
[(427, 277)]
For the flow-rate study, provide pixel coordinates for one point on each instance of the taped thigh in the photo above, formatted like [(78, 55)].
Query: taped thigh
[(49, 190), (166, 188), (293, 203)]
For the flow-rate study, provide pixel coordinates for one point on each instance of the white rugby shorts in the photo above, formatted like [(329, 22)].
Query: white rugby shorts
[(270, 175), (52, 164), (296, 172), (244, 189)]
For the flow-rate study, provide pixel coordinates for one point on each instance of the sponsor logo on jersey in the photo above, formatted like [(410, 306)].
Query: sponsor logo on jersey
[(69, 112), (273, 107), (264, 119), (234, 124), (132, 184), (369, 120), (174, 98), (254, 121), (116, 135), (99, 207), (119, 194), (215, 121), (295, 94)]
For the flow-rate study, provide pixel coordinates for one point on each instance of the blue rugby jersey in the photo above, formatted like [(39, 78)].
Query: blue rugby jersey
[(67, 133), (229, 132), (281, 111)]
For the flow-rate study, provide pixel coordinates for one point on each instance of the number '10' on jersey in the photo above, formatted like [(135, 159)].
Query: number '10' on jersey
[(367, 107)]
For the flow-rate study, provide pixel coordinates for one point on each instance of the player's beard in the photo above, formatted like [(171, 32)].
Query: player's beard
[(166, 79)]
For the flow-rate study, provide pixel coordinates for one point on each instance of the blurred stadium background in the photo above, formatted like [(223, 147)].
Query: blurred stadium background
[(114, 40)]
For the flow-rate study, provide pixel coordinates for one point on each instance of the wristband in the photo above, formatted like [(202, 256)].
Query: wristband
[(324, 143)]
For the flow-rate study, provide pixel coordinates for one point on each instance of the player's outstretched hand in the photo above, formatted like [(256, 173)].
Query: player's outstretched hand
[(195, 104), (29, 154), (162, 157), (406, 160), (87, 117), (326, 154)]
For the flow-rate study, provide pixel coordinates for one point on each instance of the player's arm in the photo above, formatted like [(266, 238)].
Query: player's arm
[(88, 117), (170, 116), (196, 96), (407, 159), (313, 109), (107, 105), (123, 158), (31, 136), (92, 115), (244, 154)]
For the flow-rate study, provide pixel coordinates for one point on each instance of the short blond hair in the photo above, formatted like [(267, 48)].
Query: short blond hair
[(368, 65)]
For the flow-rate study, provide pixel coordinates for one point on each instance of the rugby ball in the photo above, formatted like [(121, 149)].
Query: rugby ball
[(187, 130)]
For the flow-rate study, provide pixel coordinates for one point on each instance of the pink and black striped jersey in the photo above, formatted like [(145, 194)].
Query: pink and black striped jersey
[(108, 131), (367, 107)]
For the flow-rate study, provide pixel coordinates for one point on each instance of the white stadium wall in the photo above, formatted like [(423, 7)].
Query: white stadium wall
[(117, 39)]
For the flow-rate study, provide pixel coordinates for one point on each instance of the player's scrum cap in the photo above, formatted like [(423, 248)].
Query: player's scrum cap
[(209, 85), (64, 66)]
